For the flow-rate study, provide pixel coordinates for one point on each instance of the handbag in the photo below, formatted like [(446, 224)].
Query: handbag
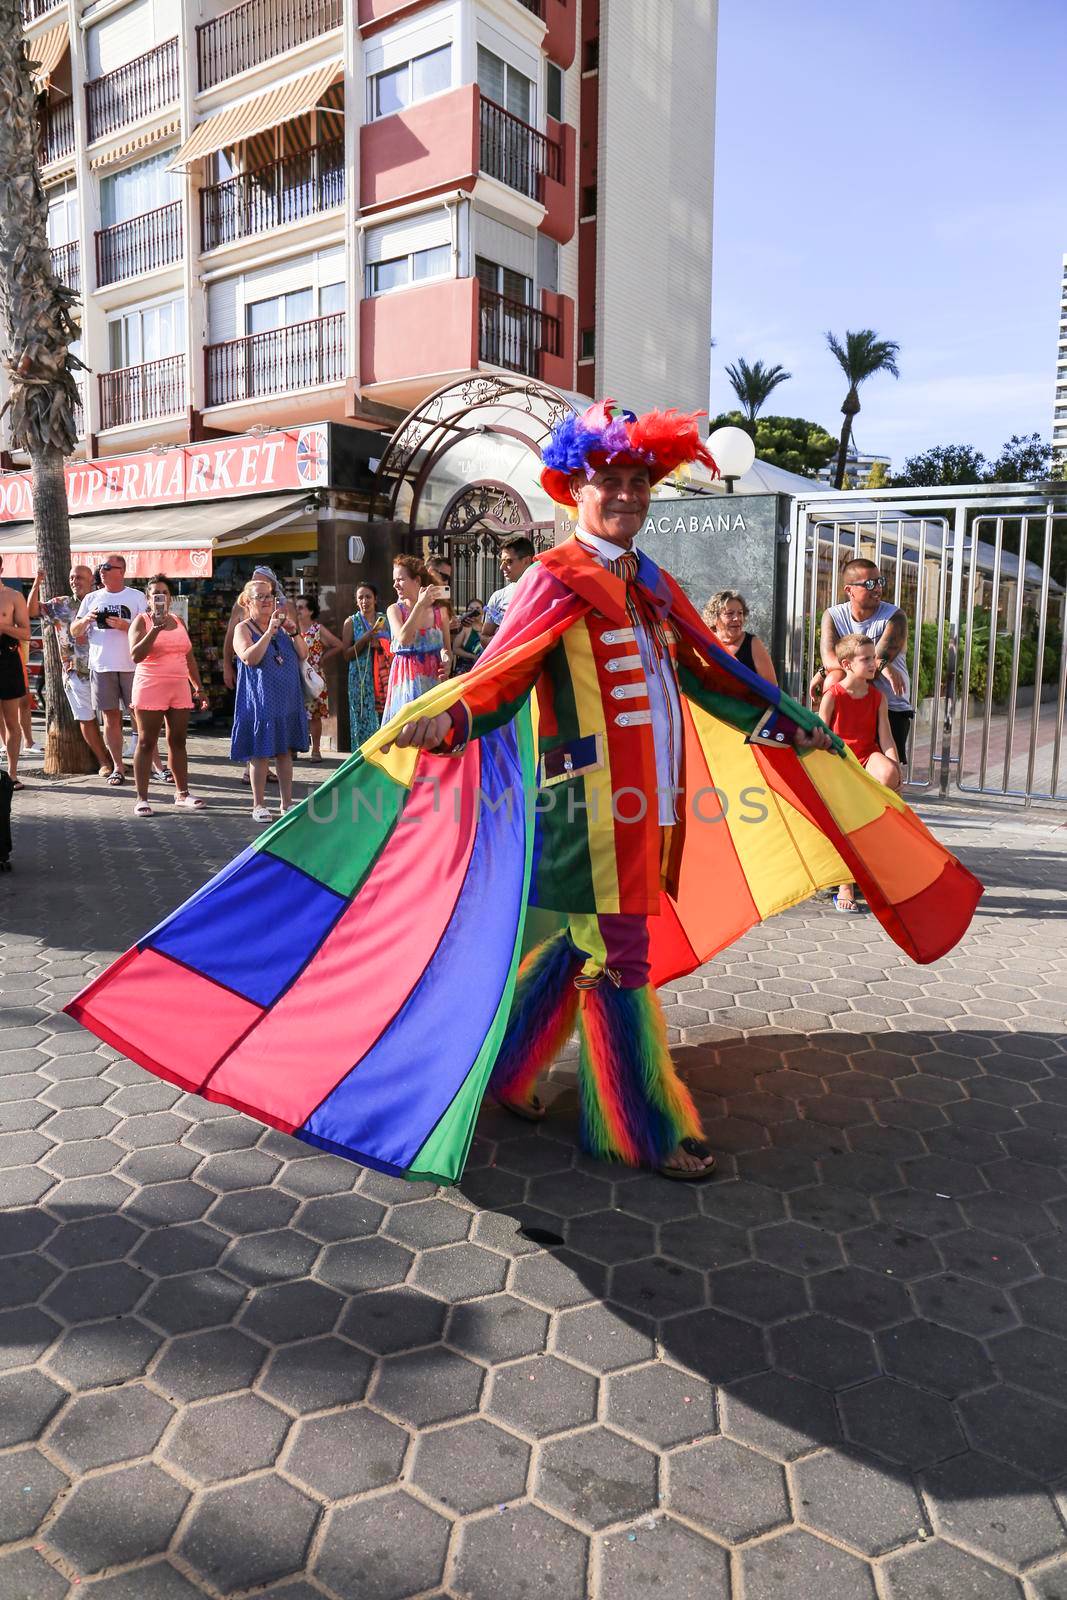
[(313, 682)]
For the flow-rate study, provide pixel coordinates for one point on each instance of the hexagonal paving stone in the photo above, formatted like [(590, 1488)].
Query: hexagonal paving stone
[(1043, 1303), (27, 1400), (661, 1405), (194, 1300), (337, 1217), (823, 1351), (29, 1485), (459, 1271), (571, 1194), (27, 1573), (364, 1264), (89, 1293), (94, 1239), (597, 1477), (470, 1466), (743, 1205), (104, 1352), (964, 1303), (541, 1396), (249, 1532), (990, 1257), (252, 1211), (781, 1416), (117, 1424), (601, 1338), (185, 1248), (117, 1517), (935, 1358), (557, 1280), (383, 1549), (196, 1365), (425, 1386), (226, 1438), (634, 1563), (158, 1580), (795, 1247), (270, 1257), (727, 1489), (497, 1328), (25, 1278), (657, 1287), (798, 1563), (346, 1453), (759, 1292), (237, 1169), (394, 1319), (1033, 1360), (721, 1348), (521, 1551), (315, 1173), (611, 1236), (859, 1502), (289, 1311), (865, 1299), (983, 1504), (317, 1373), (904, 1424), (427, 1223), (940, 1568)]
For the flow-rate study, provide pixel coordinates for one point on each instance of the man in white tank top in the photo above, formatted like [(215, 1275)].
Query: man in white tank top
[(865, 610)]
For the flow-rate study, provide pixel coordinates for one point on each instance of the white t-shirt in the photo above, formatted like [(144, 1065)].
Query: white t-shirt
[(109, 648)]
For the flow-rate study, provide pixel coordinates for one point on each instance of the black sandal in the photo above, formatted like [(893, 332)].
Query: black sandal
[(116, 779), (692, 1147), (534, 1111)]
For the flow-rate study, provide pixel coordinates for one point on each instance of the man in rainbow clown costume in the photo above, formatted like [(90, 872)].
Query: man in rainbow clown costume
[(668, 798)]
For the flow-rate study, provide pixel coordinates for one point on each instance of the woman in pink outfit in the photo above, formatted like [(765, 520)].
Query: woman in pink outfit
[(164, 681)]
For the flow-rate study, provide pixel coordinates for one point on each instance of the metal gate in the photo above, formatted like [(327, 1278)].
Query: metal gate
[(981, 575)]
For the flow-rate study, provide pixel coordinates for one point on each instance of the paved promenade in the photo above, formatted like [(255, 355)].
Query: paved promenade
[(232, 1366)]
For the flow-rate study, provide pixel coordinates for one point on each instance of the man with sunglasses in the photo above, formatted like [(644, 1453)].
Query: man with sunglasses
[(866, 610), (104, 619)]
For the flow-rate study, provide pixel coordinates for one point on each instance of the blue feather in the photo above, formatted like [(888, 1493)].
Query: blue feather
[(569, 446)]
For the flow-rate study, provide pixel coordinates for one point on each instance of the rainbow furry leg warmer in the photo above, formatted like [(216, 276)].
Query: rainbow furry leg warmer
[(635, 1107), (542, 1017)]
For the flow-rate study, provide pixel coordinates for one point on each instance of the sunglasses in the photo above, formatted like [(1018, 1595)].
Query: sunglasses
[(867, 583), (112, 567)]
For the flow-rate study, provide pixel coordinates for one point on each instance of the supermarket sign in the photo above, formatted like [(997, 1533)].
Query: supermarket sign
[(290, 458)]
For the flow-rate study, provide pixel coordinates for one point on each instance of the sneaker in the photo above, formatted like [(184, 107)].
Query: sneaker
[(33, 749)]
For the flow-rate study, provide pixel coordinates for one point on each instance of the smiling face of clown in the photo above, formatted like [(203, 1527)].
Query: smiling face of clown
[(614, 502)]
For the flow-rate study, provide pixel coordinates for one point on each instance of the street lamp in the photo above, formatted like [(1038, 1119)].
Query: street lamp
[(734, 451)]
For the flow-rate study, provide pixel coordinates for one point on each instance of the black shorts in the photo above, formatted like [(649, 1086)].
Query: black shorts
[(900, 727), (12, 675)]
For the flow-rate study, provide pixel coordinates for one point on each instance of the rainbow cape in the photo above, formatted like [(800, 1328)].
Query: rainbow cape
[(348, 977)]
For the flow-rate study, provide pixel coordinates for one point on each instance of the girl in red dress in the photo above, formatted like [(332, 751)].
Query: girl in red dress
[(858, 714)]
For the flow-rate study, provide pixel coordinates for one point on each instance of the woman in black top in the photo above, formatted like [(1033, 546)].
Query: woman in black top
[(726, 614)]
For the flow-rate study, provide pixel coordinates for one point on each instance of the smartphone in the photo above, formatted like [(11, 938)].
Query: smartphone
[(159, 605), (446, 591)]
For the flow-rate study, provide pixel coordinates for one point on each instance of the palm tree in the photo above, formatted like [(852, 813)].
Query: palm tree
[(860, 357), (36, 332), (753, 385)]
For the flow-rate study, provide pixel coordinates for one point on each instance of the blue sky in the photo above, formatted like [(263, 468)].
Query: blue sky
[(900, 166)]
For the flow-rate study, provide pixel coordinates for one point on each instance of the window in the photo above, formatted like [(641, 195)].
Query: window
[(416, 267), (591, 56), (587, 347), (588, 206), (547, 263), (504, 281), (413, 80), (146, 333), (62, 215), (137, 189), (505, 85), (331, 299), (554, 91)]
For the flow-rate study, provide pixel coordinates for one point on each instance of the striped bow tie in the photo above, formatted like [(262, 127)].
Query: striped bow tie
[(640, 605), (625, 566)]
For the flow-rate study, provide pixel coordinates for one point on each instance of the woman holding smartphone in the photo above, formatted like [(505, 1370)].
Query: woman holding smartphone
[(269, 717), (418, 624), (165, 680)]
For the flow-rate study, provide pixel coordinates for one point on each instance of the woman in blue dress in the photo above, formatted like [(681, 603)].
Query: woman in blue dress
[(418, 625), (269, 716), (364, 636)]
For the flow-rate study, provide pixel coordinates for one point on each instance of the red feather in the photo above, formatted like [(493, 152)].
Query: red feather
[(671, 437)]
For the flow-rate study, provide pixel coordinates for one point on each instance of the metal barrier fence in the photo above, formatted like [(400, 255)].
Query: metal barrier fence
[(981, 576)]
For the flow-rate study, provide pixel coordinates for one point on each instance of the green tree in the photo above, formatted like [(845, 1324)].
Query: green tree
[(944, 464), (36, 330), (860, 356), (1023, 459), (792, 443), (877, 478), (753, 385)]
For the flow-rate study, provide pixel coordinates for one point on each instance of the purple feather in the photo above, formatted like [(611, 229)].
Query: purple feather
[(569, 446)]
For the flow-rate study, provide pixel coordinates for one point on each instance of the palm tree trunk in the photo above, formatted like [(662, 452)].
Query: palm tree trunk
[(849, 409), (65, 749)]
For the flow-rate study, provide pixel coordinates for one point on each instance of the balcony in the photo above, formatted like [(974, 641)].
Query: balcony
[(67, 264), (32, 9), (141, 394), (516, 336), (517, 154), (283, 191), (536, 6), (258, 30), (300, 356), (55, 132), (135, 90), (142, 244)]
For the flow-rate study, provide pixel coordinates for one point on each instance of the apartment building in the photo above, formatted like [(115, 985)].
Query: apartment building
[(1059, 417), (858, 467)]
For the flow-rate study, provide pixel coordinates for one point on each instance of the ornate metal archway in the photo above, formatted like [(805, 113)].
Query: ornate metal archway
[(474, 522)]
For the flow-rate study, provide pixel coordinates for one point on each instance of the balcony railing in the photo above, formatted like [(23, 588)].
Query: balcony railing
[(285, 190), (133, 91), (142, 244), (514, 335), (56, 131), (67, 264), (258, 30), (536, 6), (139, 394), (32, 9), (517, 154), (277, 362)]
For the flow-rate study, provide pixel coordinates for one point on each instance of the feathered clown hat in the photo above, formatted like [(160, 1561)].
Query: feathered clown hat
[(606, 434)]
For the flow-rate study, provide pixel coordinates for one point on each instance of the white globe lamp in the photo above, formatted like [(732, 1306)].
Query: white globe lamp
[(734, 451)]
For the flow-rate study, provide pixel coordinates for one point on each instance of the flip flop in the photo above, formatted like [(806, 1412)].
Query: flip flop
[(692, 1147), (188, 802), (116, 779), (849, 907), (143, 809), (531, 1111)]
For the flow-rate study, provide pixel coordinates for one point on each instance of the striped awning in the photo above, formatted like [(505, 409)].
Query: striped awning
[(46, 52), (129, 147), (245, 118)]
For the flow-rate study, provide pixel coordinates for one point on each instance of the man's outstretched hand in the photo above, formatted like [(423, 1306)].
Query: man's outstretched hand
[(817, 739), (425, 733)]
